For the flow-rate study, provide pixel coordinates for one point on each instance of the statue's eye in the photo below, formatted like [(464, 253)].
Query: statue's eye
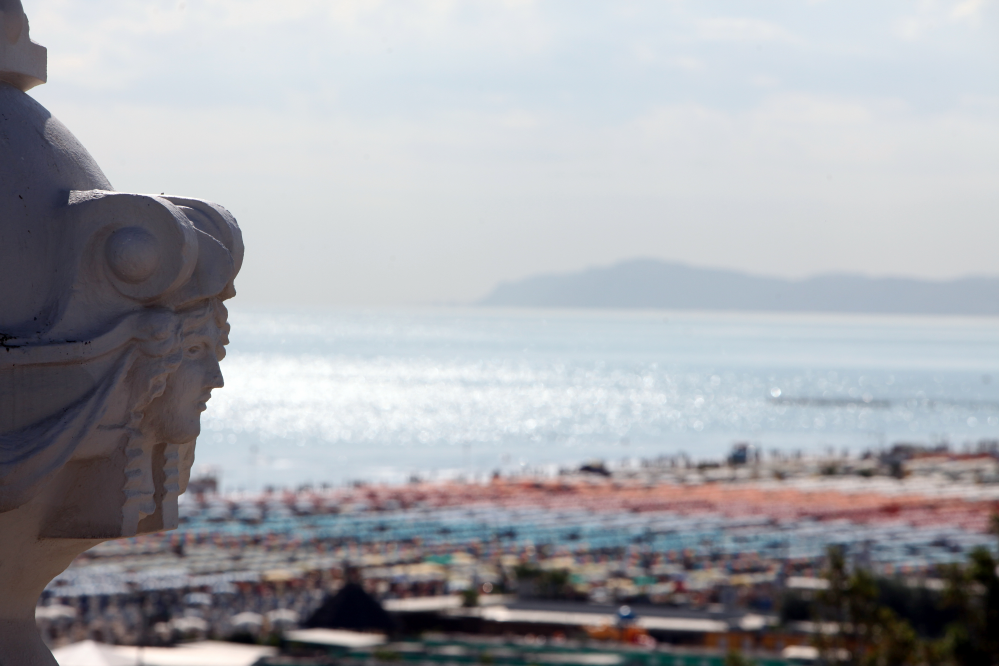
[(193, 351)]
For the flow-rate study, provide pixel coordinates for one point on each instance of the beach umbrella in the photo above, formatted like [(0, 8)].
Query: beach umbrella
[(55, 612), (246, 619), (198, 599), (189, 624), (282, 616), (278, 575), (89, 653)]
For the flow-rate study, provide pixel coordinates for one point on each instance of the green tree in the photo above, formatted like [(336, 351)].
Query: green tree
[(847, 603), (893, 641), (973, 590), (869, 633)]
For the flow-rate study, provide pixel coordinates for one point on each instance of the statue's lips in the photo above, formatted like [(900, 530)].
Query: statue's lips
[(203, 399)]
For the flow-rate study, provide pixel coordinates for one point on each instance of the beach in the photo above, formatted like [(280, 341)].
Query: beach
[(736, 538)]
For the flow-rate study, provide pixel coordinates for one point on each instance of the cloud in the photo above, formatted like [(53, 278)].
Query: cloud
[(968, 9), (739, 29), (764, 81), (688, 63), (936, 16), (122, 42), (520, 120)]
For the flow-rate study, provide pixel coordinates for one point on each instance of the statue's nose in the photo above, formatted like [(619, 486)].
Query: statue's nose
[(214, 378)]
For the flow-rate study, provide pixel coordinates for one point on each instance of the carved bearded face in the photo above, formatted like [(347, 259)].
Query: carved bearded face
[(175, 417), (160, 459)]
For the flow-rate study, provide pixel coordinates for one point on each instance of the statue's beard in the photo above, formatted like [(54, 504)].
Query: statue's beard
[(155, 477), (185, 463)]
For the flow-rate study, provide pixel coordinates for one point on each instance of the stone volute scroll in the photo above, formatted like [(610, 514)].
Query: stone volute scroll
[(112, 327)]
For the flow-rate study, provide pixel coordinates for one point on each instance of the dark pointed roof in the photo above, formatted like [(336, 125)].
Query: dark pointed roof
[(351, 608)]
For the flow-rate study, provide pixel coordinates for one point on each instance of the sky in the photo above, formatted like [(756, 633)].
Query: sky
[(413, 152)]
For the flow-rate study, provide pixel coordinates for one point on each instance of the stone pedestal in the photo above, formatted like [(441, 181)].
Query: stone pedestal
[(112, 327)]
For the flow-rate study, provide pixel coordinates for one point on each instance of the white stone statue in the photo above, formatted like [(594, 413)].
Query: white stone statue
[(111, 331)]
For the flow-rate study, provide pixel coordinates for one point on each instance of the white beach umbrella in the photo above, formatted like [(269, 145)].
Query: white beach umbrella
[(55, 612), (282, 616), (185, 624), (246, 619)]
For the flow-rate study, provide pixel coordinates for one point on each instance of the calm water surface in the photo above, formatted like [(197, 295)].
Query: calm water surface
[(327, 396)]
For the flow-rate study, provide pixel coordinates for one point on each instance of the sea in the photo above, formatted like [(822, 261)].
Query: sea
[(340, 396)]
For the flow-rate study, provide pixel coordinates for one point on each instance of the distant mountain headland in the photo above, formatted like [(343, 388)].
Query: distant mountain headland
[(651, 283)]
